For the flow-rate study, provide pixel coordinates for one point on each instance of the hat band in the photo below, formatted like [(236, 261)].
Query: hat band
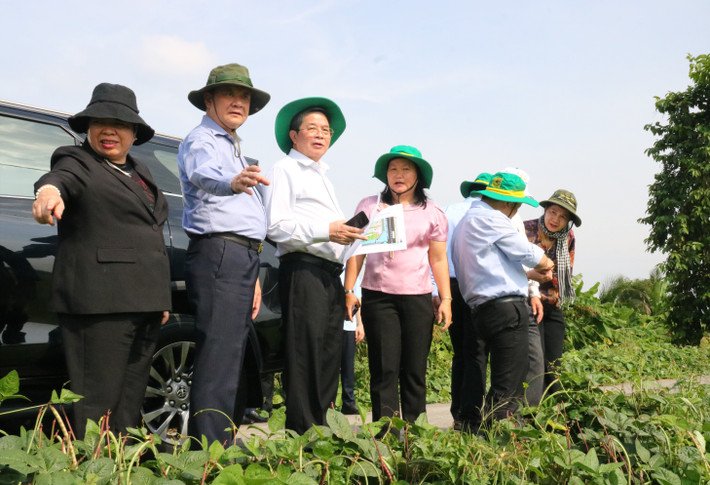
[(232, 77), (567, 199), (512, 193), (405, 153)]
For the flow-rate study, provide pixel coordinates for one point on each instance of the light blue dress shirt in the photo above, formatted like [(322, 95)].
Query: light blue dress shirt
[(208, 160), (489, 254), (454, 213)]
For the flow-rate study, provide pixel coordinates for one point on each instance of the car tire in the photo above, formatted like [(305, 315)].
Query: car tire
[(166, 406)]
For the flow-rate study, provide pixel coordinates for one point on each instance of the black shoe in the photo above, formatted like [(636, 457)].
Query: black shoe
[(256, 417), (349, 409)]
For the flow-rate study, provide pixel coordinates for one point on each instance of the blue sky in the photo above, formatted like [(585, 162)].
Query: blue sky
[(560, 89)]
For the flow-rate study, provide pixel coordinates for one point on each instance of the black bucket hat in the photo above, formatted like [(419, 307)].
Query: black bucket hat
[(230, 75), (115, 102)]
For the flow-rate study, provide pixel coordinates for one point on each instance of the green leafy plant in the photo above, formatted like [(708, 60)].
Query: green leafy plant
[(581, 434)]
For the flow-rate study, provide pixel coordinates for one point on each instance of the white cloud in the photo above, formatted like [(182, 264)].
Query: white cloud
[(169, 54)]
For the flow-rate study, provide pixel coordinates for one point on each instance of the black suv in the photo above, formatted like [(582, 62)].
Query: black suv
[(30, 339)]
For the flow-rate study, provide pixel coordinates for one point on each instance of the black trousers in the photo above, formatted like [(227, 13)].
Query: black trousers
[(220, 278), (313, 311), (399, 331), (463, 366), (347, 369), (552, 333), (501, 329), (108, 357)]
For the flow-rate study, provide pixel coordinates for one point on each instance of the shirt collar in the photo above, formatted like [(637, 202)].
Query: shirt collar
[(321, 166), (217, 130)]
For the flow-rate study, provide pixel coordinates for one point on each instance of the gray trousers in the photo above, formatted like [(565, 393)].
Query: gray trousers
[(535, 379)]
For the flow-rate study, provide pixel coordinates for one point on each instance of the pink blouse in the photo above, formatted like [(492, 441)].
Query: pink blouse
[(405, 272)]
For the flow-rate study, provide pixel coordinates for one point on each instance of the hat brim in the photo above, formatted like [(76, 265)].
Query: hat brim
[(467, 187), (115, 111), (424, 167), (506, 198), (286, 114), (575, 218), (259, 98)]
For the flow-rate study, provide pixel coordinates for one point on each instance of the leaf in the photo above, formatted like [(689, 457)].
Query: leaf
[(65, 397), (590, 461), (144, 476), (340, 425), (256, 471), (643, 454), (300, 478), (10, 476), (55, 478), (699, 440), (277, 421), (53, 459), (230, 475), (616, 477), (216, 451), (364, 469), (9, 385), (665, 477), (20, 461), (324, 449), (100, 467)]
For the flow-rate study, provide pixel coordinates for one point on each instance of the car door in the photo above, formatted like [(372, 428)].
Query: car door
[(29, 341)]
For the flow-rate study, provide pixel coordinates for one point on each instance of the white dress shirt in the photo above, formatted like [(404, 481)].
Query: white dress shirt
[(300, 205)]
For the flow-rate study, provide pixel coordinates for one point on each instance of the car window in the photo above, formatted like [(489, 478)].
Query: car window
[(158, 158), (26, 147)]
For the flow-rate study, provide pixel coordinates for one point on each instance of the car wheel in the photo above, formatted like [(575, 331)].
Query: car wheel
[(166, 407)]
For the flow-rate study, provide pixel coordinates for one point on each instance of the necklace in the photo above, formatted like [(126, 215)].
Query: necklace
[(127, 173)]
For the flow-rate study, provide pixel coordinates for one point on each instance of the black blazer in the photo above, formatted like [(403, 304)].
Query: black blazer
[(111, 256)]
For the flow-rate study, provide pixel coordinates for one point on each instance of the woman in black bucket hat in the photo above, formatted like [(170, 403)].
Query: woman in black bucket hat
[(111, 280)]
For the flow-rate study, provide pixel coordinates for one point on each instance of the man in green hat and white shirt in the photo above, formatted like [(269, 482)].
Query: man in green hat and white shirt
[(309, 228), (225, 219), (489, 254)]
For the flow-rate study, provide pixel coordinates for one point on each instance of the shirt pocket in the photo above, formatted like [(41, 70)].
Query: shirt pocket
[(116, 255)]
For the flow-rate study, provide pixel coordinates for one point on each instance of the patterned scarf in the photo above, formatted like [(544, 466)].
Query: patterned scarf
[(564, 271)]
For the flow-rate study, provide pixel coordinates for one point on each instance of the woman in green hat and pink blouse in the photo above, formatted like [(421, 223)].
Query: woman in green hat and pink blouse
[(396, 287)]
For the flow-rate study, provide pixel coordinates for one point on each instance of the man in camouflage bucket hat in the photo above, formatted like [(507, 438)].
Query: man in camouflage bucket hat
[(225, 219)]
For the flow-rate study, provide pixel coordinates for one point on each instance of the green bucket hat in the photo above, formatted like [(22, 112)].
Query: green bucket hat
[(507, 187), (288, 112), (407, 152), (566, 200), (482, 181), (230, 75)]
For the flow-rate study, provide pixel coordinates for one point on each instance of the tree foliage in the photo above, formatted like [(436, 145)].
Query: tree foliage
[(647, 296), (679, 201)]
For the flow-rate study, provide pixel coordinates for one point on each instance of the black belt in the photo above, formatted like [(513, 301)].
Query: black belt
[(502, 299), (247, 242), (331, 267)]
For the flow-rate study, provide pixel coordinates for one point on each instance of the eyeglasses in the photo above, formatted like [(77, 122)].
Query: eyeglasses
[(314, 130)]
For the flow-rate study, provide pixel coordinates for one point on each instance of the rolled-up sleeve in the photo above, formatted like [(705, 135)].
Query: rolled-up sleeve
[(206, 171)]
